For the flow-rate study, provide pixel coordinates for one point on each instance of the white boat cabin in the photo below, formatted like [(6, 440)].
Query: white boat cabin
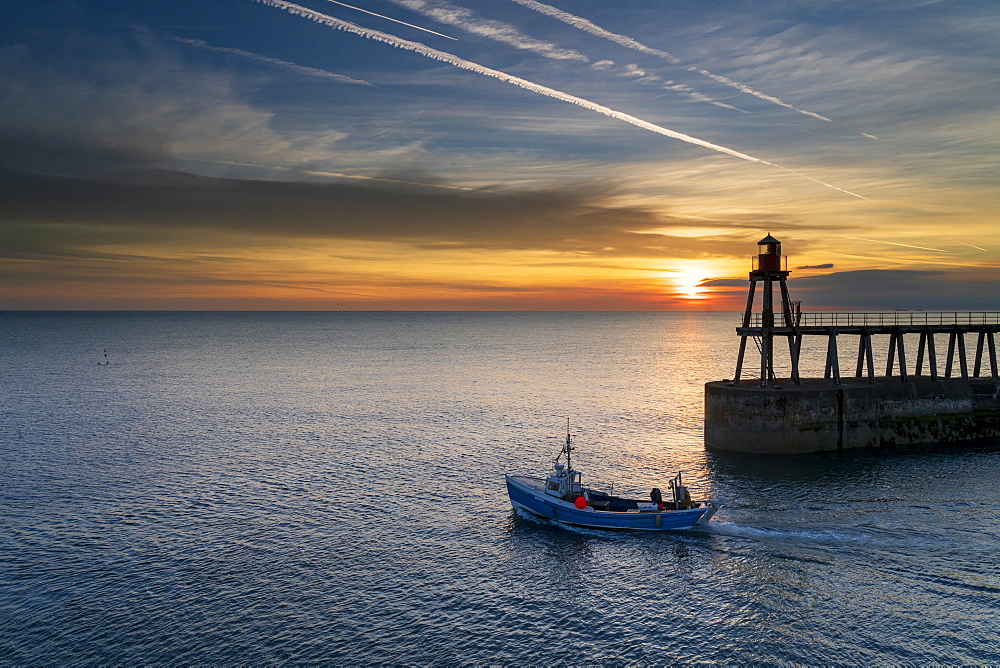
[(564, 483)]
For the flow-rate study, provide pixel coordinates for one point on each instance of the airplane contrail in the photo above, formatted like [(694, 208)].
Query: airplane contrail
[(301, 69), (496, 30), (893, 243), (445, 12), (344, 4), (969, 245), (921, 261), (451, 59), (628, 42)]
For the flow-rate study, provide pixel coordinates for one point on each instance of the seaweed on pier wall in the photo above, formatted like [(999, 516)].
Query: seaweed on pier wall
[(947, 428)]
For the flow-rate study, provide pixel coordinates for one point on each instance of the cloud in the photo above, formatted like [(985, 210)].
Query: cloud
[(725, 283), (888, 290), (630, 43), (495, 30), (571, 219), (291, 67), (828, 265), (633, 70), (381, 16), (879, 289), (134, 109), (443, 56)]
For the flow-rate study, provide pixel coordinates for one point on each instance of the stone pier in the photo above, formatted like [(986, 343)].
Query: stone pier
[(816, 415), (958, 402)]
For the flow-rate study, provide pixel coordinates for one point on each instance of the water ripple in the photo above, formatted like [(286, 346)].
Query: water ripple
[(328, 488)]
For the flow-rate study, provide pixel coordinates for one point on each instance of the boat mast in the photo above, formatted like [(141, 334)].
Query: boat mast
[(569, 448)]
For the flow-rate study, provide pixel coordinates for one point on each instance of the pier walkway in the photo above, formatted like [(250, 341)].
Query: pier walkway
[(984, 325), (901, 406)]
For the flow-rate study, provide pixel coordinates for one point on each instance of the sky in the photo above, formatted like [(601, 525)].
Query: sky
[(497, 154)]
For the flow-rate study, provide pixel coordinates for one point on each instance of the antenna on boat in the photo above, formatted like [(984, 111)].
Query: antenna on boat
[(569, 447)]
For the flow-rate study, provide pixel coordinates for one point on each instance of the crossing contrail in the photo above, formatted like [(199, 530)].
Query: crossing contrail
[(442, 56), (495, 30), (969, 245), (503, 32), (344, 4), (623, 40), (301, 69), (893, 243)]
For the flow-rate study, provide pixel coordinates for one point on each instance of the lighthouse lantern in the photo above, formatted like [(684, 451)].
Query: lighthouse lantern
[(769, 257)]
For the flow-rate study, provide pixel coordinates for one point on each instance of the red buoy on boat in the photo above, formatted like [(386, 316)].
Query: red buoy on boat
[(580, 502)]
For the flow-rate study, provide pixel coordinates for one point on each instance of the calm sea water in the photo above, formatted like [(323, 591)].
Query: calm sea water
[(328, 487)]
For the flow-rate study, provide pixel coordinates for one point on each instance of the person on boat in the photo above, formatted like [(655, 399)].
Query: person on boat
[(684, 498), (656, 497)]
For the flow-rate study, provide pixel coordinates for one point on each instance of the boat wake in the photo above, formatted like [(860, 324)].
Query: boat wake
[(741, 531)]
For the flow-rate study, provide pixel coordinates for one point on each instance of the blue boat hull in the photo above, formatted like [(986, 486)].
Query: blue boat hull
[(531, 498)]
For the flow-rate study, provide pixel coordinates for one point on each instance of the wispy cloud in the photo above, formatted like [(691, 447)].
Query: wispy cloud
[(65, 120), (292, 67), (95, 214), (452, 59), (381, 179), (630, 43), (495, 30), (387, 18), (899, 288), (506, 33)]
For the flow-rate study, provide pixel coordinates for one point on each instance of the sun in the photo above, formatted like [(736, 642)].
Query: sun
[(686, 280)]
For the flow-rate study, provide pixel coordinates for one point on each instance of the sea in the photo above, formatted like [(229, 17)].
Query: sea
[(193, 488)]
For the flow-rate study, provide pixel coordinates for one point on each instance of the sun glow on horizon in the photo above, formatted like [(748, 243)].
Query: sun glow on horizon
[(686, 280)]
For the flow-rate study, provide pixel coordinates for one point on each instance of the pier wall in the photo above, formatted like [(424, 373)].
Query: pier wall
[(817, 415)]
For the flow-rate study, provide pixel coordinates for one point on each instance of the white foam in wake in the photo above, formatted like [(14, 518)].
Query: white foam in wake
[(741, 531)]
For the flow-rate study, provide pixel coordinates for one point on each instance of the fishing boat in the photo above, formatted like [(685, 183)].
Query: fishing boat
[(562, 497)]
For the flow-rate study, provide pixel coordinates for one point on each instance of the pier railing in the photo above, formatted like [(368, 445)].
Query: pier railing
[(886, 319), (982, 326)]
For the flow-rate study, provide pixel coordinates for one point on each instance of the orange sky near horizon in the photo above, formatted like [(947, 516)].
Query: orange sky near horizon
[(248, 156)]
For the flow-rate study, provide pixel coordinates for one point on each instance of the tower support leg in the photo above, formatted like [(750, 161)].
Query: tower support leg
[(963, 364), (890, 358), (865, 356), (739, 360), (991, 346), (932, 355), (951, 354), (786, 304), (980, 344), (869, 359), (921, 345), (902, 357), (832, 361), (794, 346), (765, 353), (749, 308), (861, 356)]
